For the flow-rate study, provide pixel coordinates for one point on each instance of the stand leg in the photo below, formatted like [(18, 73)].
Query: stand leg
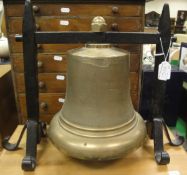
[(155, 131), (29, 161), (35, 131), (158, 93), (31, 87), (161, 156), (35, 128)]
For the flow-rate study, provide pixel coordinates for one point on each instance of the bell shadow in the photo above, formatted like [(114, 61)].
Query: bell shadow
[(94, 164)]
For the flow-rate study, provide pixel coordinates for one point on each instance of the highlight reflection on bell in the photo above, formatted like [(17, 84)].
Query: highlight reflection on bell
[(97, 121)]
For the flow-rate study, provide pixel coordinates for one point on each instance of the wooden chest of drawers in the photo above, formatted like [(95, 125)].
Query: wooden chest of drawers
[(68, 16)]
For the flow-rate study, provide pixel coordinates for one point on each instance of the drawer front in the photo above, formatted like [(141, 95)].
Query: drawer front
[(49, 83), (58, 63), (77, 24), (50, 105), (135, 62), (16, 47), (46, 63), (63, 9)]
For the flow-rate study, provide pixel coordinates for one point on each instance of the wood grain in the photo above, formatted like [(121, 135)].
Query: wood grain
[(76, 24), (51, 84), (52, 66), (52, 101), (53, 104), (16, 47), (78, 10), (48, 63)]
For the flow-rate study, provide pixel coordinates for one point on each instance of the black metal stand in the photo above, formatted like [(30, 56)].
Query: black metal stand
[(30, 38), (155, 131)]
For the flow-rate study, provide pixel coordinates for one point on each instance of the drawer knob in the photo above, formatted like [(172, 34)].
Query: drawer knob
[(114, 26), (41, 85), (115, 9), (39, 46), (37, 27), (35, 8), (43, 105), (40, 64)]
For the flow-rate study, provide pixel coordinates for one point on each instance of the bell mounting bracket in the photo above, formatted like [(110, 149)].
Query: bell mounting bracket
[(31, 37)]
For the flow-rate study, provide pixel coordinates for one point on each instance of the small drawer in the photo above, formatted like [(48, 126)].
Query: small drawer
[(49, 104), (46, 117), (134, 62), (130, 24), (47, 82), (50, 83), (46, 63), (134, 82), (16, 47), (64, 9)]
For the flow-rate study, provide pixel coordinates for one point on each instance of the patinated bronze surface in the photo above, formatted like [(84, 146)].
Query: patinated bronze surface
[(97, 120)]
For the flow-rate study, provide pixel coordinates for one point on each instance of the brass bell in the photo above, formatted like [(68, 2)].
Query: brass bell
[(97, 121)]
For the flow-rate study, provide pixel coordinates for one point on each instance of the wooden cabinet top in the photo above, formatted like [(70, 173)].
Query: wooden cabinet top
[(78, 1)]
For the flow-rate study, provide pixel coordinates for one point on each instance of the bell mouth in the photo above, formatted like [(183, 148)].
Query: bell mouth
[(96, 148), (90, 45)]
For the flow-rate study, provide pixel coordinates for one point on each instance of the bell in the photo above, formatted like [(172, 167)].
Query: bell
[(97, 121)]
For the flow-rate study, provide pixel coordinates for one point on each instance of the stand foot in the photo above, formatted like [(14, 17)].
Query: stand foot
[(13, 146), (28, 163), (162, 158), (35, 131)]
